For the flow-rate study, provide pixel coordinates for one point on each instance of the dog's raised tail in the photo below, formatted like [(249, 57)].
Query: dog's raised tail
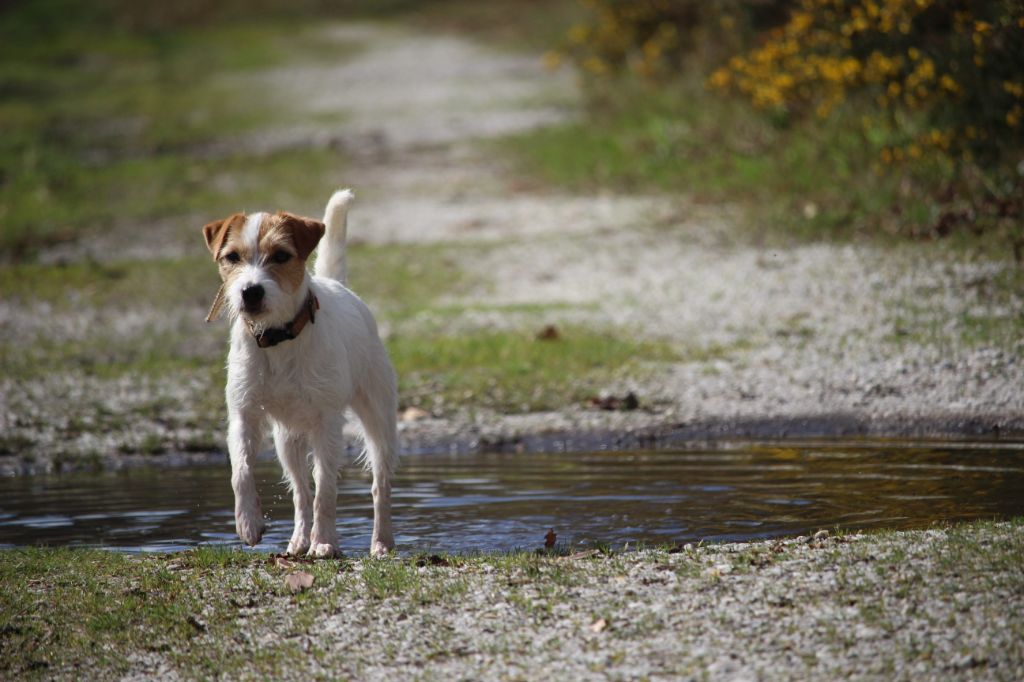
[(330, 261)]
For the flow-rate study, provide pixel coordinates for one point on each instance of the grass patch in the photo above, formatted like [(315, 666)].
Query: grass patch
[(210, 610), (398, 281), (115, 115), (92, 301), (118, 284), (514, 372), (402, 280), (502, 371), (110, 356), (68, 609), (995, 319), (107, 124), (518, 24), (811, 180)]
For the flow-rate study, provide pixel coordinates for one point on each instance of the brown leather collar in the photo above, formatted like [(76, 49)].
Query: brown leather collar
[(275, 335)]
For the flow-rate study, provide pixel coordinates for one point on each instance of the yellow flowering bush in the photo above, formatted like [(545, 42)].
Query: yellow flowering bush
[(932, 90), (945, 75)]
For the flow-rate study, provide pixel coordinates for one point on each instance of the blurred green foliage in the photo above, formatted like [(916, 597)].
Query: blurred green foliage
[(109, 110), (930, 89)]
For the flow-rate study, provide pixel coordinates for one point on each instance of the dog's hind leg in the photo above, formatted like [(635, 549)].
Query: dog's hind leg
[(377, 410), (328, 447), (292, 450)]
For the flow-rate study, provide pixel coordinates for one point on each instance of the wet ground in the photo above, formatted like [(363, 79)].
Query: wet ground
[(491, 502)]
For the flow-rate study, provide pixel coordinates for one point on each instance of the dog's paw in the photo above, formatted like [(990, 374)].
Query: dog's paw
[(379, 550), (249, 524), (298, 546), (380, 547), (322, 550)]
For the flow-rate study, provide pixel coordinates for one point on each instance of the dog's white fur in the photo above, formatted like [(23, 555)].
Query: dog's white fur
[(302, 387)]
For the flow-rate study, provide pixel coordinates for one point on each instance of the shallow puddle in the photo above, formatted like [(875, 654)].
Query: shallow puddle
[(505, 501)]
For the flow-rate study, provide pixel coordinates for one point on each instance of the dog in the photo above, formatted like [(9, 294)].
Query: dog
[(303, 349)]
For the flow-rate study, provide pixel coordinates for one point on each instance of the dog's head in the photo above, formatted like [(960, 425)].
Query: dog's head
[(262, 261)]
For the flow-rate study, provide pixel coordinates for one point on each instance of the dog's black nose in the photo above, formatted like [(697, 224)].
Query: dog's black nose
[(252, 296)]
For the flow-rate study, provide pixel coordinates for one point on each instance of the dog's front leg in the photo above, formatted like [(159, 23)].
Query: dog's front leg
[(328, 447), (292, 451), (245, 434)]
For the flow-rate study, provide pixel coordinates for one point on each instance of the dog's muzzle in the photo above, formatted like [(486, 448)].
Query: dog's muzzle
[(252, 298)]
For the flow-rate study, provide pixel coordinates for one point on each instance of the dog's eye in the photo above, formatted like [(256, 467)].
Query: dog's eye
[(281, 256), (232, 257)]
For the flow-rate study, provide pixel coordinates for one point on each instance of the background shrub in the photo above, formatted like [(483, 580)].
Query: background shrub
[(934, 87)]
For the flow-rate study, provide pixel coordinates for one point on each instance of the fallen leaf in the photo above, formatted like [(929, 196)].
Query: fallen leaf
[(549, 333), (286, 561), (599, 625), (298, 581), (549, 538)]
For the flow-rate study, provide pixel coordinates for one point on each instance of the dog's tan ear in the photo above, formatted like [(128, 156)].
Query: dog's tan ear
[(216, 233), (306, 232)]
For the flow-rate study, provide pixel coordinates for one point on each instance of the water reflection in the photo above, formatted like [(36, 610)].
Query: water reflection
[(504, 501)]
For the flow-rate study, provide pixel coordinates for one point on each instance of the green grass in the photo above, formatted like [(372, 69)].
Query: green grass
[(62, 609), (438, 369), (65, 608), (211, 610), (397, 281), (401, 279), (515, 372), (995, 320), (110, 112), (531, 24), (811, 180), (117, 284), (108, 125)]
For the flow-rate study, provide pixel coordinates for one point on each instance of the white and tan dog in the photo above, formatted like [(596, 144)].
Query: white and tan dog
[(303, 349)]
